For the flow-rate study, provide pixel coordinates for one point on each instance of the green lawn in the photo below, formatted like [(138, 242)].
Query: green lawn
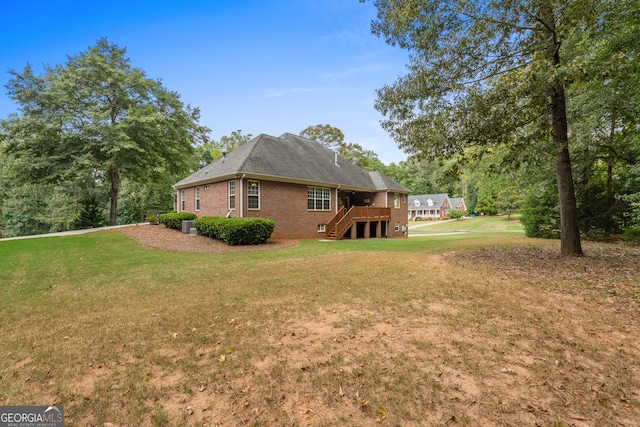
[(478, 223), (324, 333)]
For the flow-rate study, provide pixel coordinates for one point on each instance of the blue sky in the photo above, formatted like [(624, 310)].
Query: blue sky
[(260, 66)]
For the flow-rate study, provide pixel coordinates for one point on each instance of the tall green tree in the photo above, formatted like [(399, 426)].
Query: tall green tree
[(333, 138), (98, 113), (212, 150), (482, 74), (605, 114)]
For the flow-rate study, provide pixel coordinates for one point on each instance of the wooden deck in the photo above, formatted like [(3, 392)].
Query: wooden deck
[(342, 222)]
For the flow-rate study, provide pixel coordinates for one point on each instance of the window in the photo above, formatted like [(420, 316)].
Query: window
[(197, 198), (397, 227), (253, 194), (231, 193), (182, 200), (404, 198), (321, 228), (396, 200), (318, 199)]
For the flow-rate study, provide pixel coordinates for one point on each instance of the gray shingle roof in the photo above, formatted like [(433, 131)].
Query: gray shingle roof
[(290, 158), (456, 202), (437, 199)]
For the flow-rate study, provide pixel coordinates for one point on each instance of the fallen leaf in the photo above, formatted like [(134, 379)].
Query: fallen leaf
[(202, 388), (383, 414), (364, 403), (341, 392), (221, 358)]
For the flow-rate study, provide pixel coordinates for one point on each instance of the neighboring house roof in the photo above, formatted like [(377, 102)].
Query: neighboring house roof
[(427, 201), (456, 202), (290, 158)]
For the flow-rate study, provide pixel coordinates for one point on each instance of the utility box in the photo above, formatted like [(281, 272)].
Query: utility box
[(187, 225)]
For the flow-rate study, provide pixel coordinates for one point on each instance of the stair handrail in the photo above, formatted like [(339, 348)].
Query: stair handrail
[(344, 223), (332, 222)]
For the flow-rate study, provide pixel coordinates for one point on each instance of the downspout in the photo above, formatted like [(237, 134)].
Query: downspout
[(386, 205), (242, 196), (337, 195)]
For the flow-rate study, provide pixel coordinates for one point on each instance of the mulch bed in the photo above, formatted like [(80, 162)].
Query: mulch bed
[(160, 237)]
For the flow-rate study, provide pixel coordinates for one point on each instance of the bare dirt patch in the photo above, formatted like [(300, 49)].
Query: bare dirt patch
[(503, 336)]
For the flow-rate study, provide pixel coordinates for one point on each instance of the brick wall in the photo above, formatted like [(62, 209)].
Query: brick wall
[(287, 205)]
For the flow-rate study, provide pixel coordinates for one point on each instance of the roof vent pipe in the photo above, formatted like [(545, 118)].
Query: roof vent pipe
[(336, 158)]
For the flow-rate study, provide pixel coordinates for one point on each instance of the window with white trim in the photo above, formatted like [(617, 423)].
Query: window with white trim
[(197, 198), (396, 200), (397, 227), (318, 199), (231, 194), (322, 228), (253, 194), (182, 200)]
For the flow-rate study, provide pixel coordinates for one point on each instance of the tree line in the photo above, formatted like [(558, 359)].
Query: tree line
[(531, 104)]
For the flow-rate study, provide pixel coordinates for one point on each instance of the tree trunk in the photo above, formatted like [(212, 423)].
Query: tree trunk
[(570, 244), (610, 159), (569, 229), (114, 178)]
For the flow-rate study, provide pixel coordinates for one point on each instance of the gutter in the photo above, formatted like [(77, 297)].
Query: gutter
[(242, 195)]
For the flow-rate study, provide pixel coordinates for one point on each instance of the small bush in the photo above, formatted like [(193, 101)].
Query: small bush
[(151, 219), (541, 213), (174, 220), (632, 234), (457, 214), (236, 231)]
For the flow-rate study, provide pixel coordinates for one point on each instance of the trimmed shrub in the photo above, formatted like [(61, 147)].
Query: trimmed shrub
[(174, 219), (209, 226), (236, 231)]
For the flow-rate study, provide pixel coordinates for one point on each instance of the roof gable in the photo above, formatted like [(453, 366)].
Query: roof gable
[(434, 201)]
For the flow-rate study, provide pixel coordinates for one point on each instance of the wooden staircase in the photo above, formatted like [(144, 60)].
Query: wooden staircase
[(342, 222)]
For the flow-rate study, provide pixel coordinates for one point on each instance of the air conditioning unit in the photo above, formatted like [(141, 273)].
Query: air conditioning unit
[(187, 225)]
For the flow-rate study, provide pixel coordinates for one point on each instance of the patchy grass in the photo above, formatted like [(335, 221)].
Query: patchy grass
[(484, 223), (476, 329)]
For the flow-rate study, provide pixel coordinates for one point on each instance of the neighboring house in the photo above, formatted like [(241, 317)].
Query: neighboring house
[(307, 189), (457, 203), (428, 206)]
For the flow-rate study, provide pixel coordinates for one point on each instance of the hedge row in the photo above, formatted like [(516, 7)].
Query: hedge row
[(235, 231), (174, 219)]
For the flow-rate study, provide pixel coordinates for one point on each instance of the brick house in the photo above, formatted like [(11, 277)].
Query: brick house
[(458, 203), (429, 206), (307, 189)]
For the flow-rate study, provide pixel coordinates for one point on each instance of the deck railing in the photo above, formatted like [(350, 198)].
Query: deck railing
[(341, 222)]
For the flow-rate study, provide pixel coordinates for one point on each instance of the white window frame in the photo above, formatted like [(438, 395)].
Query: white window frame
[(396, 200), (320, 195), (397, 226), (197, 198), (182, 198), (253, 190), (231, 194), (322, 228)]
